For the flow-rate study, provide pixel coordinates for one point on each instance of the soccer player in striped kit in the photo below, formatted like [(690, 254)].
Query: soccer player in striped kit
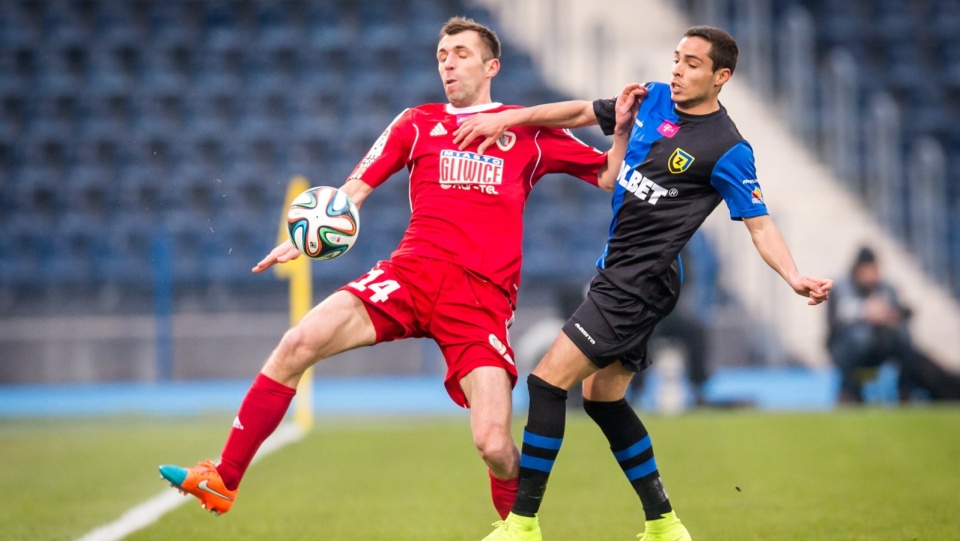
[(453, 278), (684, 155)]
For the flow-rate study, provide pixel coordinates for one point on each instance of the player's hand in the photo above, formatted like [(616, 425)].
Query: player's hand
[(489, 126), (817, 290), (628, 102), (284, 252)]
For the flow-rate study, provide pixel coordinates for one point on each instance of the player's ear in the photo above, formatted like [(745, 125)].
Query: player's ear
[(722, 76), (493, 67)]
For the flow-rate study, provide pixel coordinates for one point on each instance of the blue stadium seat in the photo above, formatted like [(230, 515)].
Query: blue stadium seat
[(189, 242), (272, 71), (60, 70), (212, 115), (78, 247), (221, 26), (64, 26), (219, 71), (944, 20), (27, 237), (57, 116), (173, 24), (166, 69), (117, 23), (236, 245), (277, 27), (16, 67), (17, 28)]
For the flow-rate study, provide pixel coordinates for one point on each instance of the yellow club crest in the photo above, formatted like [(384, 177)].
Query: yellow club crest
[(679, 161)]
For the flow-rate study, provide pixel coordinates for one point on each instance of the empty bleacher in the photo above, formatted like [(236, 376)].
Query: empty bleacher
[(126, 123)]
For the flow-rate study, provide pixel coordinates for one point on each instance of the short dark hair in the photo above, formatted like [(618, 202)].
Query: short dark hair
[(865, 256), (461, 24), (723, 48)]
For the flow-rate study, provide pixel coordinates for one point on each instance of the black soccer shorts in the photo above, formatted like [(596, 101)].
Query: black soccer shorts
[(611, 326)]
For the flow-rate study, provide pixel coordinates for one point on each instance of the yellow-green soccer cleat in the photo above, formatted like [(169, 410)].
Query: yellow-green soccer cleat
[(668, 528), (516, 528)]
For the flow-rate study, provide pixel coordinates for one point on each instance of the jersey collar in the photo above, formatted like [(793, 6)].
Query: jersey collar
[(472, 109)]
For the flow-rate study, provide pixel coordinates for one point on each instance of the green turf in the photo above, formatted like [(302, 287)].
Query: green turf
[(59, 479), (850, 475)]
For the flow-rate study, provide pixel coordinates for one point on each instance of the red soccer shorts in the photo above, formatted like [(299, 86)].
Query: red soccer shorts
[(468, 316)]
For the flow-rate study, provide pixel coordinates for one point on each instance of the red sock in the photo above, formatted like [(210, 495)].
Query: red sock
[(504, 493), (260, 414)]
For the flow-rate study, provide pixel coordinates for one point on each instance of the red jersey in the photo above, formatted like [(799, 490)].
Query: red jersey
[(467, 208)]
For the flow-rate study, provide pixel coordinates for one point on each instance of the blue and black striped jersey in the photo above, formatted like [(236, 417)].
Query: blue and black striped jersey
[(676, 170)]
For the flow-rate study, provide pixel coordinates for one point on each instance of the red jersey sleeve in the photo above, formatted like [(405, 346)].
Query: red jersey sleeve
[(561, 152), (389, 153)]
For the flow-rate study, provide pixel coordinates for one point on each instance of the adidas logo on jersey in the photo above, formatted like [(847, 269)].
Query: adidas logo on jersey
[(438, 130)]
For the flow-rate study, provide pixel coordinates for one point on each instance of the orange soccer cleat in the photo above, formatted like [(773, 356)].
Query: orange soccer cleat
[(202, 481)]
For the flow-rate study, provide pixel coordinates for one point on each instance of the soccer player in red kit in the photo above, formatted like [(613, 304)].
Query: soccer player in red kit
[(453, 278)]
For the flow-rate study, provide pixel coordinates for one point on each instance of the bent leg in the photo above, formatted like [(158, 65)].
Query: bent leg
[(337, 324), (604, 402), (852, 350), (488, 391)]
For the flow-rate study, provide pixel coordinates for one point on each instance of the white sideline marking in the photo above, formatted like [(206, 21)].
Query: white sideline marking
[(150, 511)]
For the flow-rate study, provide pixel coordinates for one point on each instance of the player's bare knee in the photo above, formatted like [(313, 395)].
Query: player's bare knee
[(297, 351), (496, 447)]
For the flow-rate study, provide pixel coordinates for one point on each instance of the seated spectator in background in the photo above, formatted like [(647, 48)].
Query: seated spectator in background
[(868, 326)]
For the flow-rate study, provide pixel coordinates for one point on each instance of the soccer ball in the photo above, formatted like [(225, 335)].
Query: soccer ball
[(323, 222)]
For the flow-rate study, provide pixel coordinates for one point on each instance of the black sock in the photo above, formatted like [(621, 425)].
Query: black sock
[(542, 438), (631, 446)]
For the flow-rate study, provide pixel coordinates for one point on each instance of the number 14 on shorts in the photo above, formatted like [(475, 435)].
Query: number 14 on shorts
[(381, 290)]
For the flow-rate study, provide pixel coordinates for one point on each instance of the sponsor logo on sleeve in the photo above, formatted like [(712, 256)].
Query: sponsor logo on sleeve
[(757, 196), (679, 161), (375, 151)]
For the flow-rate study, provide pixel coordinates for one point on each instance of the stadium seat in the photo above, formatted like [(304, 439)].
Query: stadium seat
[(107, 115), (60, 70), (27, 235), (118, 23), (277, 27), (211, 115), (944, 20), (166, 69), (219, 71), (16, 25), (16, 66), (173, 24), (63, 26), (894, 21)]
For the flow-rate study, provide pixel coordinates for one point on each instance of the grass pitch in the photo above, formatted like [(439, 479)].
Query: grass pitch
[(851, 475)]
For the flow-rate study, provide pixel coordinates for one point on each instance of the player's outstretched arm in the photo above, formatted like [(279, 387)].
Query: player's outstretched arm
[(628, 102), (773, 249), (490, 126)]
